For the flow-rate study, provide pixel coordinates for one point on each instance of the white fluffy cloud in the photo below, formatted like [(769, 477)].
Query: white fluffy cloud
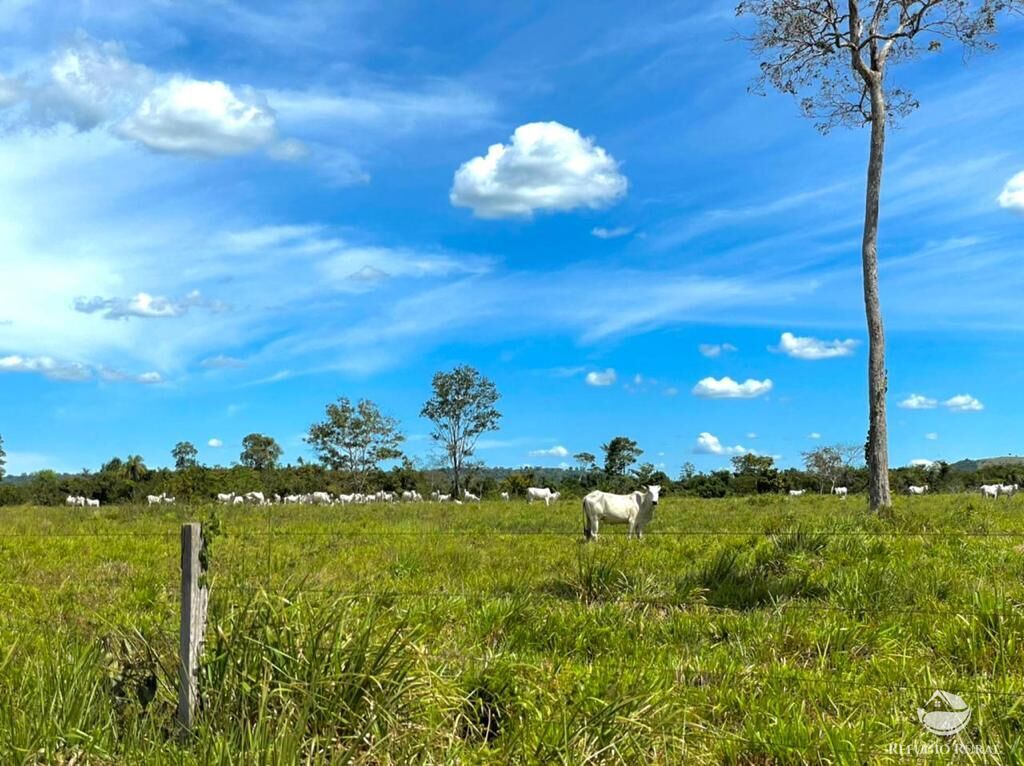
[(215, 443), (709, 444), (46, 366), (932, 436), (814, 436), (814, 349), (963, 403), (604, 233), (545, 166), (727, 388), (958, 403), (53, 369), (199, 117), (713, 350), (1012, 196), (919, 402), (606, 378), (556, 451), (91, 84), (143, 305)]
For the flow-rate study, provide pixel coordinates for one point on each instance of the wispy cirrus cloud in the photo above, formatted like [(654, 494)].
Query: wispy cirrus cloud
[(144, 306)]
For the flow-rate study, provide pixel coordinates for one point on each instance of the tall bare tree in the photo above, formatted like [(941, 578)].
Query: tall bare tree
[(835, 55)]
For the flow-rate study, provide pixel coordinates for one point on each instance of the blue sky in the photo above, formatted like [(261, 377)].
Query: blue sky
[(220, 216)]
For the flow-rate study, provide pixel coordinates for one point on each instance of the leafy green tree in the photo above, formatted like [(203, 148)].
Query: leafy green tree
[(462, 408), (356, 438), (135, 469), (260, 452), (835, 55), (587, 461), (645, 473), (756, 473), (44, 488), (185, 456), (619, 454), (687, 472), (3, 460)]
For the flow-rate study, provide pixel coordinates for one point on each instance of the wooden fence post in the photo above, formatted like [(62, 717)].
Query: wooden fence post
[(194, 600)]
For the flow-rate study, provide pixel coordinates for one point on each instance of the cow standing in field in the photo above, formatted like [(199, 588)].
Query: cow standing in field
[(505, 496), (542, 493), (635, 509), (1008, 489), (990, 490), (840, 492), (797, 492), (917, 490)]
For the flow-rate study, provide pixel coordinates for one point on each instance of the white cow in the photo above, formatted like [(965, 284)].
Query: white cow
[(167, 500), (239, 500), (840, 492), (225, 498), (321, 498), (797, 492), (469, 496), (1008, 489), (505, 496), (71, 501), (542, 493), (255, 497), (917, 490), (990, 490), (635, 509), (92, 503), (154, 499), (444, 498)]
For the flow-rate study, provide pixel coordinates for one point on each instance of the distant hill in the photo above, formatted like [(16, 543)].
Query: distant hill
[(986, 462)]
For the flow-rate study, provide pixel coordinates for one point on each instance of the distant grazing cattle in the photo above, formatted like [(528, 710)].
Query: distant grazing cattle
[(1008, 489), (840, 492), (321, 498), (225, 498), (239, 500), (505, 496), (542, 493), (635, 509), (255, 497), (469, 496), (990, 490), (92, 503), (797, 492), (154, 499), (918, 490)]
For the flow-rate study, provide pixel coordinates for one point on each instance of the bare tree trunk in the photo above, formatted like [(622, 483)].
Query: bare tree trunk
[(877, 456)]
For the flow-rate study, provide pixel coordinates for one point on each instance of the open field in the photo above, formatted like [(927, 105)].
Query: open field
[(757, 631)]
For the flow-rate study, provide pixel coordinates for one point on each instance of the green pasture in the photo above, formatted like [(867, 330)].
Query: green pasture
[(758, 630)]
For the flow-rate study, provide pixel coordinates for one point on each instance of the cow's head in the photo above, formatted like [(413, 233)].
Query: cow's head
[(653, 491)]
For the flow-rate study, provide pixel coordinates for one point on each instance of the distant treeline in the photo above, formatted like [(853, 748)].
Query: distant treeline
[(130, 481)]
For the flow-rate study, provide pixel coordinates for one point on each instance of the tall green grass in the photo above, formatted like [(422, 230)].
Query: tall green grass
[(740, 631)]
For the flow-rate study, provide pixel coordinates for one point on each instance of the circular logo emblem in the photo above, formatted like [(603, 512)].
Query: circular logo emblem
[(945, 714)]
